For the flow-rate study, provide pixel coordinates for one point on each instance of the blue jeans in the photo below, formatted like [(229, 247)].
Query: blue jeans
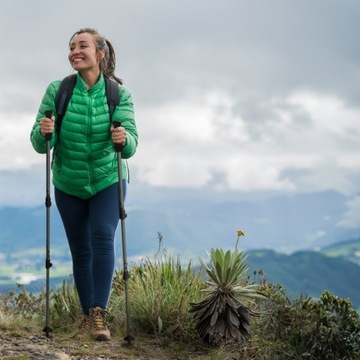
[(90, 227)]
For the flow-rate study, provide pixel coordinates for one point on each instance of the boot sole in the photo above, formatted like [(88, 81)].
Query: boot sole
[(101, 337)]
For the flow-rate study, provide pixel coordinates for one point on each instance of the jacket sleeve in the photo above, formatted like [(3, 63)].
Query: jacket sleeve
[(124, 113), (47, 103)]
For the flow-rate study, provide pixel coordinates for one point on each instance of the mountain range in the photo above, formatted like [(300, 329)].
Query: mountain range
[(192, 225), (285, 236)]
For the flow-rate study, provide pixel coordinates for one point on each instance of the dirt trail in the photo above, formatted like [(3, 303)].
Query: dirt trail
[(29, 347)]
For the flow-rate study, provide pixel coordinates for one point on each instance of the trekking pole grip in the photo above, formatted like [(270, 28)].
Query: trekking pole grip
[(118, 147), (48, 114)]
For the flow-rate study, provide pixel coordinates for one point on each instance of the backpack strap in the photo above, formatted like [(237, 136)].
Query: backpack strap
[(112, 95), (113, 100), (63, 97)]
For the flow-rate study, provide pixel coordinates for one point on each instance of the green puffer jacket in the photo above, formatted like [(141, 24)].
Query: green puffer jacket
[(84, 158)]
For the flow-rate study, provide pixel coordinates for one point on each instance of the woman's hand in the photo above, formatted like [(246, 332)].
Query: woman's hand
[(47, 125), (118, 135)]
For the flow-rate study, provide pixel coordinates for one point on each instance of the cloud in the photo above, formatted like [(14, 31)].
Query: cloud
[(313, 237), (23, 187), (351, 218), (306, 140), (16, 152), (247, 97)]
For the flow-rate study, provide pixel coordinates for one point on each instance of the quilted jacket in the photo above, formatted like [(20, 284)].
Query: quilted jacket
[(84, 161)]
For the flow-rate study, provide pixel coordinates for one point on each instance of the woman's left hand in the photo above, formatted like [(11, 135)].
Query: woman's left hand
[(118, 135)]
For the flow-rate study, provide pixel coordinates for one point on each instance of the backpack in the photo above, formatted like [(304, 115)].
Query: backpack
[(66, 89)]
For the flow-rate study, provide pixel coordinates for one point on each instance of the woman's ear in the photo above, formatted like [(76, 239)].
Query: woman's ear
[(101, 55)]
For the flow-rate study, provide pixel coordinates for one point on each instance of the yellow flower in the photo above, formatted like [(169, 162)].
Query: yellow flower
[(240, 233)]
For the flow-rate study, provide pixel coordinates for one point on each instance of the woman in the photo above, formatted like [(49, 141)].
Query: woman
[(84, 170)]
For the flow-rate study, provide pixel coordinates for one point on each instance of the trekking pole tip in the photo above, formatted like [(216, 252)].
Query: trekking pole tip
[(47, 330), (129, 339)]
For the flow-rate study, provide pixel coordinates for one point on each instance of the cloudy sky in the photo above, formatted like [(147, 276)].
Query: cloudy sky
[(240, 97)]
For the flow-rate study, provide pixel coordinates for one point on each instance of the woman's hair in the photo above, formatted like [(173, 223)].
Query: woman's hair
[(107, 64)]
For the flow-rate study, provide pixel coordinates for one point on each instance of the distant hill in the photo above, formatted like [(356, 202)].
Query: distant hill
[(311, 272), (349, 250), (301, 273), (278, 238), (192, 225)]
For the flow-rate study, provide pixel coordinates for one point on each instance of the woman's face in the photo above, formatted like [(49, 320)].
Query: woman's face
[(83, 55)]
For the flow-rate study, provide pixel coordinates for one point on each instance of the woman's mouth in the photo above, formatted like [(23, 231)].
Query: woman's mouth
[(77, 60)]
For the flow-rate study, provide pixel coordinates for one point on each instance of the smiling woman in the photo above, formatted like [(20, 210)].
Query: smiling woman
[(85, 167)]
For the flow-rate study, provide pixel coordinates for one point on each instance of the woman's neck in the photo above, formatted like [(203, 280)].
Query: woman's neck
[(90, 78)]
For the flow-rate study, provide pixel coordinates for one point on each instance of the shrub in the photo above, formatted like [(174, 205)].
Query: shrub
[(23, 303), (305, 328)]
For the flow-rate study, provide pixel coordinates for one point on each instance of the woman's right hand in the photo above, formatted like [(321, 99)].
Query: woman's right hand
[(47, 125)]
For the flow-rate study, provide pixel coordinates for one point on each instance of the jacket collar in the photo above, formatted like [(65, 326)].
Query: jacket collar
[(82, 86)]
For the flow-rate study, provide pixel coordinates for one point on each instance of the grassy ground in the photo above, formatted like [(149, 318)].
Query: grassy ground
[(27, 341), (161, 293)]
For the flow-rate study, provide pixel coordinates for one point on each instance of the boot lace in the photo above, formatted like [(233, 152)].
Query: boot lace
[(98, 318)]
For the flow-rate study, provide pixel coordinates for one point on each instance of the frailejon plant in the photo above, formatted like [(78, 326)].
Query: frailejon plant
[(226, 312)]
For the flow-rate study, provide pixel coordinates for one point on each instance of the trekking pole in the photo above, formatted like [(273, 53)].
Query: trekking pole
[(118, 148), (48, 263)]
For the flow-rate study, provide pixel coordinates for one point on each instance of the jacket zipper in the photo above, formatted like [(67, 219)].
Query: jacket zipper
[(89, 133)]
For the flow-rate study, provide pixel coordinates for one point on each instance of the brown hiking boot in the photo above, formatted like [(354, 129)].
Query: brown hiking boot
[(83, 328), (97, 326)]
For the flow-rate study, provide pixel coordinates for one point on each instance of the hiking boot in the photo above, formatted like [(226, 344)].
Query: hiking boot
[(97, 326), (83, 327)]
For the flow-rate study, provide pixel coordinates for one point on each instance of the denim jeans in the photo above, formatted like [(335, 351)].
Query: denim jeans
[(90, 227)]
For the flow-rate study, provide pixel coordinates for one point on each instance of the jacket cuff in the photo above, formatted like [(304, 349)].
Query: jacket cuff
[(39, 141)]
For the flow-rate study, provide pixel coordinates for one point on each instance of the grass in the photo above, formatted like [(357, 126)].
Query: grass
[(160, 292), (169, 287)]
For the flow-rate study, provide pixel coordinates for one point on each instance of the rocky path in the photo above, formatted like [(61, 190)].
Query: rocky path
[(29, 347), (15, 346)]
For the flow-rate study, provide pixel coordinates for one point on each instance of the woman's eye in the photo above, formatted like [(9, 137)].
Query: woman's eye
[(81, 46)]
